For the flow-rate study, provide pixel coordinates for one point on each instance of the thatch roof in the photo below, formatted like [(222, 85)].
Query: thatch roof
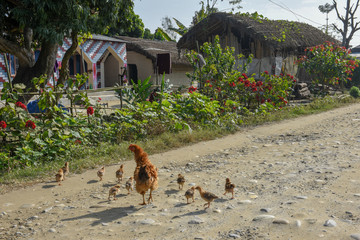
[(150, 48), (279, 34)]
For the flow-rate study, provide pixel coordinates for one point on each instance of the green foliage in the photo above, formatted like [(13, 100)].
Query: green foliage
[(135, 28), (354, 92), (30, 140), (139, 92), (148, 34), (220, 63), (164, 34)]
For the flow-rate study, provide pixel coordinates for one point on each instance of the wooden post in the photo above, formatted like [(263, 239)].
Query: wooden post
[(8, 71)]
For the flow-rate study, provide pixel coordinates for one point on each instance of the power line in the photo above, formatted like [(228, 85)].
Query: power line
[(295, 14)]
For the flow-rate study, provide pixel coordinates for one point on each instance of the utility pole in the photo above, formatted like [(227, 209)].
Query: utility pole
[(326, 9)]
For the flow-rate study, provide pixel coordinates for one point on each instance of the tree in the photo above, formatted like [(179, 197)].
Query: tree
[(135, 27), (169, 28), (148, 34), (350, 25), (37, 24), (169, 31), (326, 9), (158, 35)]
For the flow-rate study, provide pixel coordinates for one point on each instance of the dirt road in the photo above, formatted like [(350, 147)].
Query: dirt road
[(297, 179)]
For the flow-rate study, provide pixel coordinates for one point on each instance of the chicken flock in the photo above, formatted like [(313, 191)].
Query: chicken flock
[(146, 178)]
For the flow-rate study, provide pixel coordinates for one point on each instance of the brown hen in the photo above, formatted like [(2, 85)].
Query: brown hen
[(113, 191), (130, 184), (181, 181), (207, 196), (229, 187), (145, 174), (59, 176), (101, 173), (66, 169), (120, 172), (190, 194)]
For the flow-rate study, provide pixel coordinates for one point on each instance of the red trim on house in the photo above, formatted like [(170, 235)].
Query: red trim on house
[(97, 50), (90, 46)]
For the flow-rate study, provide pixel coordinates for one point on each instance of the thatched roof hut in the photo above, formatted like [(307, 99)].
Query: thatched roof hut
[(275, 44), (278, 35), (150, 48)]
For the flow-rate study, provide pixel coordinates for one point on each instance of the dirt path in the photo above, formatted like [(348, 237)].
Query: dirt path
[(297, 179)]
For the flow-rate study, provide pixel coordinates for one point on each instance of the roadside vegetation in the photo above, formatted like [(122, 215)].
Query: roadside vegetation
[(224, 101)]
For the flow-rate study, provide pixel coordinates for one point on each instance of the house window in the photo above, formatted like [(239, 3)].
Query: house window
[(133, 73)]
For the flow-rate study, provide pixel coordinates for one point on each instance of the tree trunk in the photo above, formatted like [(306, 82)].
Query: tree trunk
[(43, 66), (64, 71)]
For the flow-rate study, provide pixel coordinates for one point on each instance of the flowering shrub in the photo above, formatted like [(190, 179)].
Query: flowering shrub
[(192, 89), (21, 105), (30, 124), (90, 111), (328, 63), (3, 124), (52, 133), (227, 82)]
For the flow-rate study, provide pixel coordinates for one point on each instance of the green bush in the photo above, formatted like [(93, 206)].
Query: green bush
[(354, 92)]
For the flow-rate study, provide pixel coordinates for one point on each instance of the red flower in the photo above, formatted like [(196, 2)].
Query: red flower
[(77, 141), (192, 89), (210, 85), (266, 72), (2, 124), (30, 124), (21, 105), (262, 101), (245, 76), (90, 111), (99, 99), (232, 84), (207, 81)]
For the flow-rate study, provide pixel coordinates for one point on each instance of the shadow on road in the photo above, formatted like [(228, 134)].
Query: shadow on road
[(172, 191), (106, 216), (92, 181)]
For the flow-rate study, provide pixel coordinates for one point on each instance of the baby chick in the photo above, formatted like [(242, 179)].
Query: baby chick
[(130, 184), (66, 169), (101, 173), (207, 196), (120, 172), (229, 187), (190, 194), (59, 176), (181, 181), (113, 191)]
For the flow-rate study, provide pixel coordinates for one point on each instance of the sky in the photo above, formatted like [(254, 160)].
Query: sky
[(153, 11)]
